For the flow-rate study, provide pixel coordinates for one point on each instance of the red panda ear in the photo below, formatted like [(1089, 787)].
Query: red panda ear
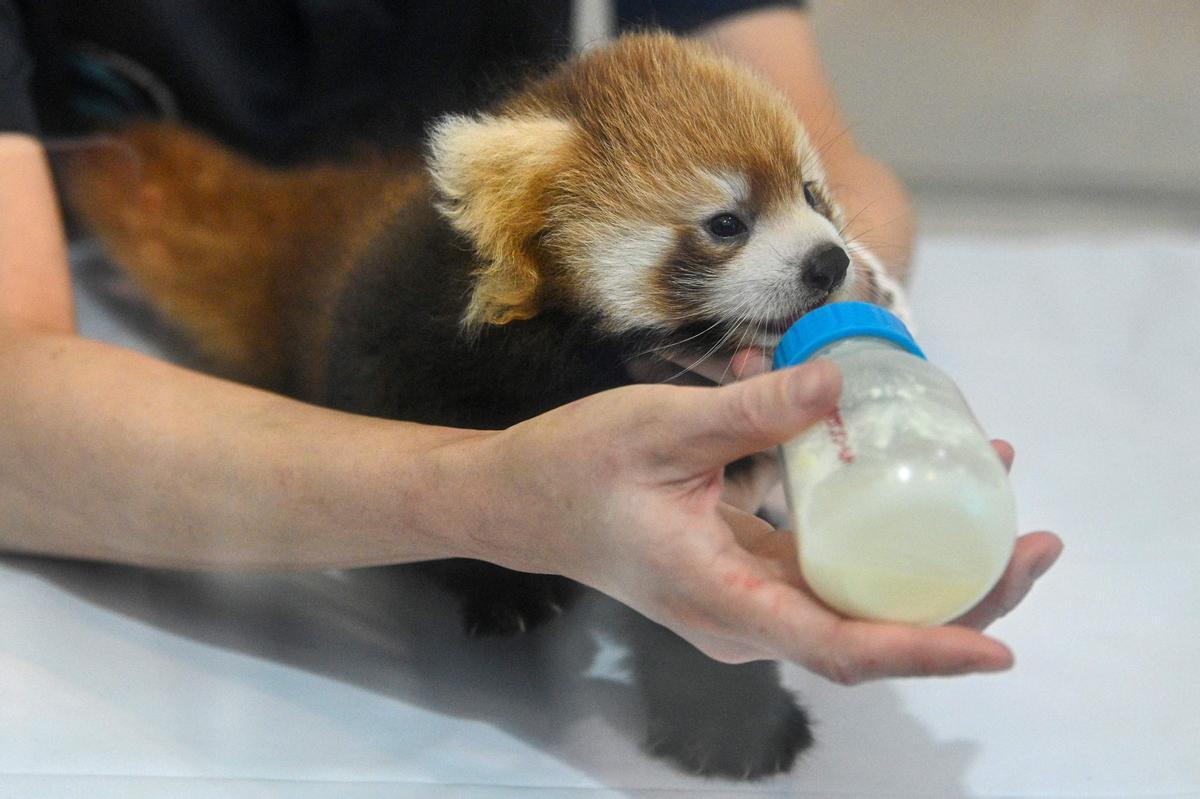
[(491, 173)]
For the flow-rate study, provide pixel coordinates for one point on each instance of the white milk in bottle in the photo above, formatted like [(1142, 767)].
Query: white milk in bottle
[(901, 507)]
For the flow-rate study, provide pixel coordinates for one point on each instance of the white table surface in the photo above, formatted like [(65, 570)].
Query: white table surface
[(123, 683)]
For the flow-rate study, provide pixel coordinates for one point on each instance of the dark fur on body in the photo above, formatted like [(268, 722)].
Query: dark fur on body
[(396, 351)]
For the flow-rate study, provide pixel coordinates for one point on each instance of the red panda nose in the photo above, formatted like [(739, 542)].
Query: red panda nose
[(825, 268)]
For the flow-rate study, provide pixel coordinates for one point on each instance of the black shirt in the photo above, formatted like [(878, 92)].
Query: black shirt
[(16, 72), (285, 79)]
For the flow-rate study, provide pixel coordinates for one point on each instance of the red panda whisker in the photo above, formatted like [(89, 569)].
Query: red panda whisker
[(826, 112), (853, 219), (711, 351), (721, 342), (858, 237), (755, 320), (673, 344), (683, 319), (819, 147)]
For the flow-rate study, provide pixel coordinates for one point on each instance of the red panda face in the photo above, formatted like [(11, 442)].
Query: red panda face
[(691, 200), (652, 184), (717, 266)]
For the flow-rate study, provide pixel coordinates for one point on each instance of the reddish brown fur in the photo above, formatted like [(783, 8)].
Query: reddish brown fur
[(653, 109), (230, 250), (492, 175)]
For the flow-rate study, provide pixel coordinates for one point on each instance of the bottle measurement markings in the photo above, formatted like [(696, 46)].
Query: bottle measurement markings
[(837, 433)]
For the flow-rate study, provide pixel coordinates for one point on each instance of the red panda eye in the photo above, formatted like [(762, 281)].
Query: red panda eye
[(809, 197), (725, 226)]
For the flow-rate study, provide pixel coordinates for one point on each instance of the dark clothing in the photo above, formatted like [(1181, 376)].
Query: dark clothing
[(285, 79), (16, 73)]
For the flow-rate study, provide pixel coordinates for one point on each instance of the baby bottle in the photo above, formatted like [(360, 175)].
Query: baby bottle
[(901, 508)]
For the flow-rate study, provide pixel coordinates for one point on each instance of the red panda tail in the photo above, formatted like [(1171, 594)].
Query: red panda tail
[(227, 249)]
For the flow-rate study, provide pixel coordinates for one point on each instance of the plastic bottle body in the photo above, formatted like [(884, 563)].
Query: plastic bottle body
[(902, 509)]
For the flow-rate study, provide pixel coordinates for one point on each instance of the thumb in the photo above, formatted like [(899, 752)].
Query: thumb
[(720, 425)]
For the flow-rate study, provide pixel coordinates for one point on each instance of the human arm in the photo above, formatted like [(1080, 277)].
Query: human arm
[(108, 454)]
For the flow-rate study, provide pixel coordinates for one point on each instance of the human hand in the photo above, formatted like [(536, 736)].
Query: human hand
[(1033, 555), (621, 491)]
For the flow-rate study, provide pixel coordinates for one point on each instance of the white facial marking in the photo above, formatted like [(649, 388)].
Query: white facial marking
[(620, 267), (733, 188), (809, 161), (762, 282)]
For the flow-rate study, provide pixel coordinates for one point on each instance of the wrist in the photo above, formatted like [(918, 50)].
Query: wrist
[(469, 477), (498, 496), (439, 494), (394, 495)]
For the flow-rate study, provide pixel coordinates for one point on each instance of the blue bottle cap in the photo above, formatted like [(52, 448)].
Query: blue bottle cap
[(829, 323)]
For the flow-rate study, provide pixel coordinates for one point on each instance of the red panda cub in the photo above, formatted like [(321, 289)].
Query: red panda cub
[(649, 195)]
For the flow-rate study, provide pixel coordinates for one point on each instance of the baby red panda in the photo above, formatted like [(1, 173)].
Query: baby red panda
[(647, 196)]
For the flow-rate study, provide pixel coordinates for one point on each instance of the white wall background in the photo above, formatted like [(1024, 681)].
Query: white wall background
[(1077, 96)]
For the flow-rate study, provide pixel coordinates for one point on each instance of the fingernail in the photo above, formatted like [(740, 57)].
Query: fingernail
[(1044, 565), (1002, 660)]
